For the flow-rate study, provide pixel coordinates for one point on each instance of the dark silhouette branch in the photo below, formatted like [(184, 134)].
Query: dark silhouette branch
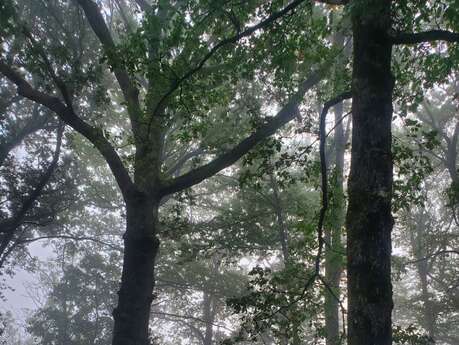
[(93, 134), (333, 2), (286, 114), (426, 36), (323, 166), (73, 238), (433, 255), (9, 226)]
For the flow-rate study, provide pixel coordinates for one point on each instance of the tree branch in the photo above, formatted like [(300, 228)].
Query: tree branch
[(430, 256), (286, 114), (426, 36), (323, 210), (9, 226), (130, 91), (144, 5), (73, 238), (66, 114), (247, 32), (333, 2), (7, 143)]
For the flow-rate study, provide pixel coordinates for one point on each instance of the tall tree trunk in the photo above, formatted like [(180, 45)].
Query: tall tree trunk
[(369, 219), (333, 252), (137, 281)]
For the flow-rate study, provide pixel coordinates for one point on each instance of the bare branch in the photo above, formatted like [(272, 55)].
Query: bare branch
[(144, 5), (73, 238), (426, 36), (431, 256), (189, 317), (177, 167)]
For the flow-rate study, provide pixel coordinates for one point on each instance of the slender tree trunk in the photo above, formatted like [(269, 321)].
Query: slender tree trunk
[(417, 245), (369, 219), (137, 281), (282, 228), (334, 249), (209, 317), (428, 310)]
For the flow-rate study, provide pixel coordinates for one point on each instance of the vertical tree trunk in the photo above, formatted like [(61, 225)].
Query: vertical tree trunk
[(282, 228), (369, 219), (417, 244), (334, 249), (136, 291), (209, 317)]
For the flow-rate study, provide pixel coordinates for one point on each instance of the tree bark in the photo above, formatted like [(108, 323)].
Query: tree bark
[(369, 219), (137, 281)]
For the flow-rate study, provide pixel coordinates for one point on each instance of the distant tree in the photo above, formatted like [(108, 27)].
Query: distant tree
[(78, 308)]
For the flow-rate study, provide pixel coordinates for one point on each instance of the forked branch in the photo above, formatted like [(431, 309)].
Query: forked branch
[(286, 114)]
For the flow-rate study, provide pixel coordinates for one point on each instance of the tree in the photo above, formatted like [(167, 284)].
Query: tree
[(34, 190), (369, 220), (78, 308), (151, 69)]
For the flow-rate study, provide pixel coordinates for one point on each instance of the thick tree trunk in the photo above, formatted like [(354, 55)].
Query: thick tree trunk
[(137, 281), (333, 252), (369, 219)]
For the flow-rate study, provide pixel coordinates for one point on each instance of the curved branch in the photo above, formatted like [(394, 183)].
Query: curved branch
[(8, 143), (11, 224), (323, 167), (66, 114)]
